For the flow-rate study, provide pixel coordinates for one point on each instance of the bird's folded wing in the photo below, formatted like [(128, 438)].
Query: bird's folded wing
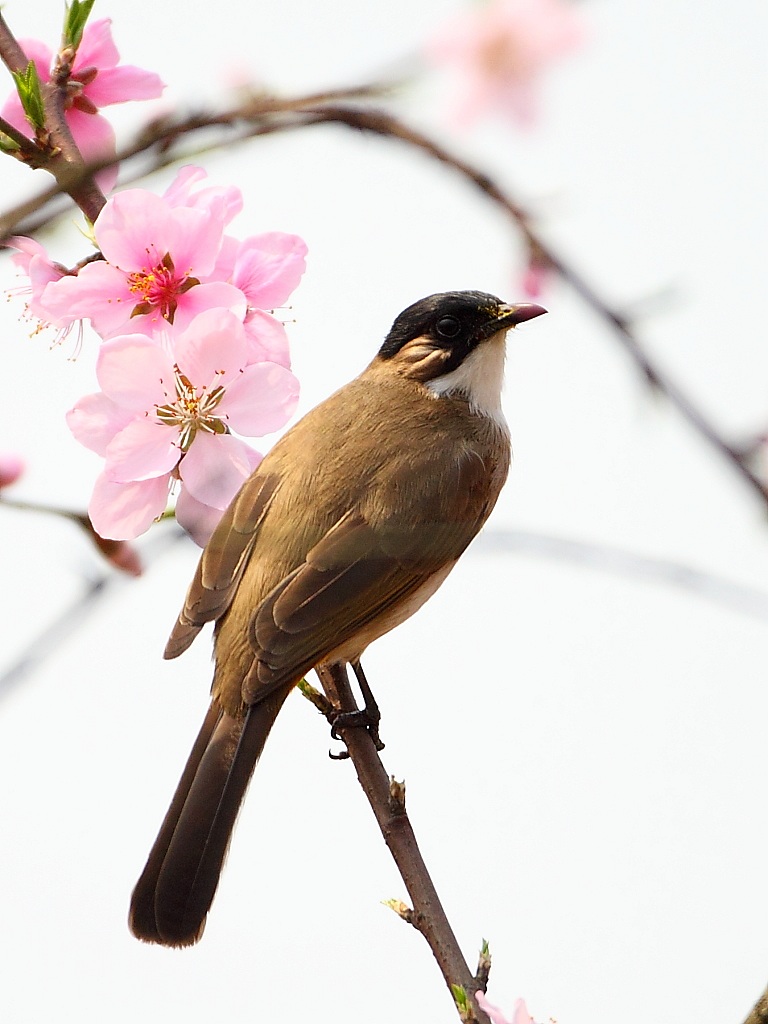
[(356, 574), (223, 561)]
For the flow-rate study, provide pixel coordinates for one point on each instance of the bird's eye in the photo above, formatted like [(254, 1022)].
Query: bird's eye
[(448, 327)]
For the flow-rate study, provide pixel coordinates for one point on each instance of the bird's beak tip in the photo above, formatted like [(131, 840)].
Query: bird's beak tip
[(523, 311)]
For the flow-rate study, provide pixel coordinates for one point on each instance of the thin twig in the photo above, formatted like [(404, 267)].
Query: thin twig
[(428, 914), (74, 616), (27, 148)]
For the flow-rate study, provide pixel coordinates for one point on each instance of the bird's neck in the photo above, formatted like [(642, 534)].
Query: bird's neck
[(479, 380)]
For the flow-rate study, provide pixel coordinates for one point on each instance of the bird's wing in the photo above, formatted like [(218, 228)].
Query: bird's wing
[(223, 561), (359, 572)]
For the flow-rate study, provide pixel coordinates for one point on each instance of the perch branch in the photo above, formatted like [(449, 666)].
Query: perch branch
[(387, 801)]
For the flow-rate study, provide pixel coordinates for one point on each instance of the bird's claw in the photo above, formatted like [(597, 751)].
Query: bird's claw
[(354, 720)]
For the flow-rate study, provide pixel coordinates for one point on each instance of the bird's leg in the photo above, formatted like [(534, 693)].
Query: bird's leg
[(368, 717)]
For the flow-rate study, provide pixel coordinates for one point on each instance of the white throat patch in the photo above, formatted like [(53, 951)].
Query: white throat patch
[(479, 379)]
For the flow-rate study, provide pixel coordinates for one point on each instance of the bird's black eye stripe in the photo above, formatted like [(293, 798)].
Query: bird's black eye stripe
[(448, 327)]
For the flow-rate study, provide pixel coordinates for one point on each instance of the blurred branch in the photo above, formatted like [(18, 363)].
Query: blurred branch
[(120, 553), (262, 115), (60, 629), (620, 562), (387, 800), (616, 561)]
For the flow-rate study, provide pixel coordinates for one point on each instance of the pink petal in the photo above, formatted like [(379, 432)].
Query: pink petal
[(11, 468), (502, 48), (41, 273), (196, 239), (203, 297), (226, 198), (262, 399), (212, 350), (121, 84), (135, 230), (269, 267), (267, 339), (225, 261), (95, 138), (520, 1013), (13, 112), (95, 420), (41, 54), (32, 259), (142, 450), (94, 135), (123, 511), (179, 191), (135, 372), (215, 467), (97, 49), (536, 279), (27, 248), (99, 292), (197, 519)]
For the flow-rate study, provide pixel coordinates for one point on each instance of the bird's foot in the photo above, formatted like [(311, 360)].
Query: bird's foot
[(367, 719)]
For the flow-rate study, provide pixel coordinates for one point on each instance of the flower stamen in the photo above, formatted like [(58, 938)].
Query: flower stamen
[(192, 411), (159, 288)]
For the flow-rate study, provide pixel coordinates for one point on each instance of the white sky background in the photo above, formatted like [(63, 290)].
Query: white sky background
[(584, 751)]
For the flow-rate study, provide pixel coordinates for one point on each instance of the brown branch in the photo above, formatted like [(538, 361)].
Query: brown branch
[(264, 115), (11, 53), (388, 805), (759, 1013), (383, 124), (54, 149), (66, 162), (27, 148)]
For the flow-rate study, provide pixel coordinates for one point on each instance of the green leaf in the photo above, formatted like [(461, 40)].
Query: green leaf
[(31, 96), (74, 21), (8, 145), (460, 997)]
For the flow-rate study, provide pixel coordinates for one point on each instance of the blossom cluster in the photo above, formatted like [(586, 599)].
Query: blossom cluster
[(191, 353), (97, 80)]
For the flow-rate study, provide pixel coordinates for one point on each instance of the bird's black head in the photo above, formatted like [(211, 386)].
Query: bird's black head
[(450, 325)]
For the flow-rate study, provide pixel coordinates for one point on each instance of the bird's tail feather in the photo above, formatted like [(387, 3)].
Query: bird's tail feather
[(175, 891)]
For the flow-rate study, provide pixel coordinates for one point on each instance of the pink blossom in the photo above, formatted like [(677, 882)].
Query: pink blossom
[(536, 278), (520, 1013), (266, 269), (11, 468), (33, 261), (156, 256), (166, 414), (96, 81), (225, 200), (500, 49)]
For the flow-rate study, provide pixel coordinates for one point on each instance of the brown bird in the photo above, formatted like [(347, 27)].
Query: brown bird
[(349, 524)]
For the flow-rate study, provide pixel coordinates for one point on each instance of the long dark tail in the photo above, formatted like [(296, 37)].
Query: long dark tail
[(174, 894)]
